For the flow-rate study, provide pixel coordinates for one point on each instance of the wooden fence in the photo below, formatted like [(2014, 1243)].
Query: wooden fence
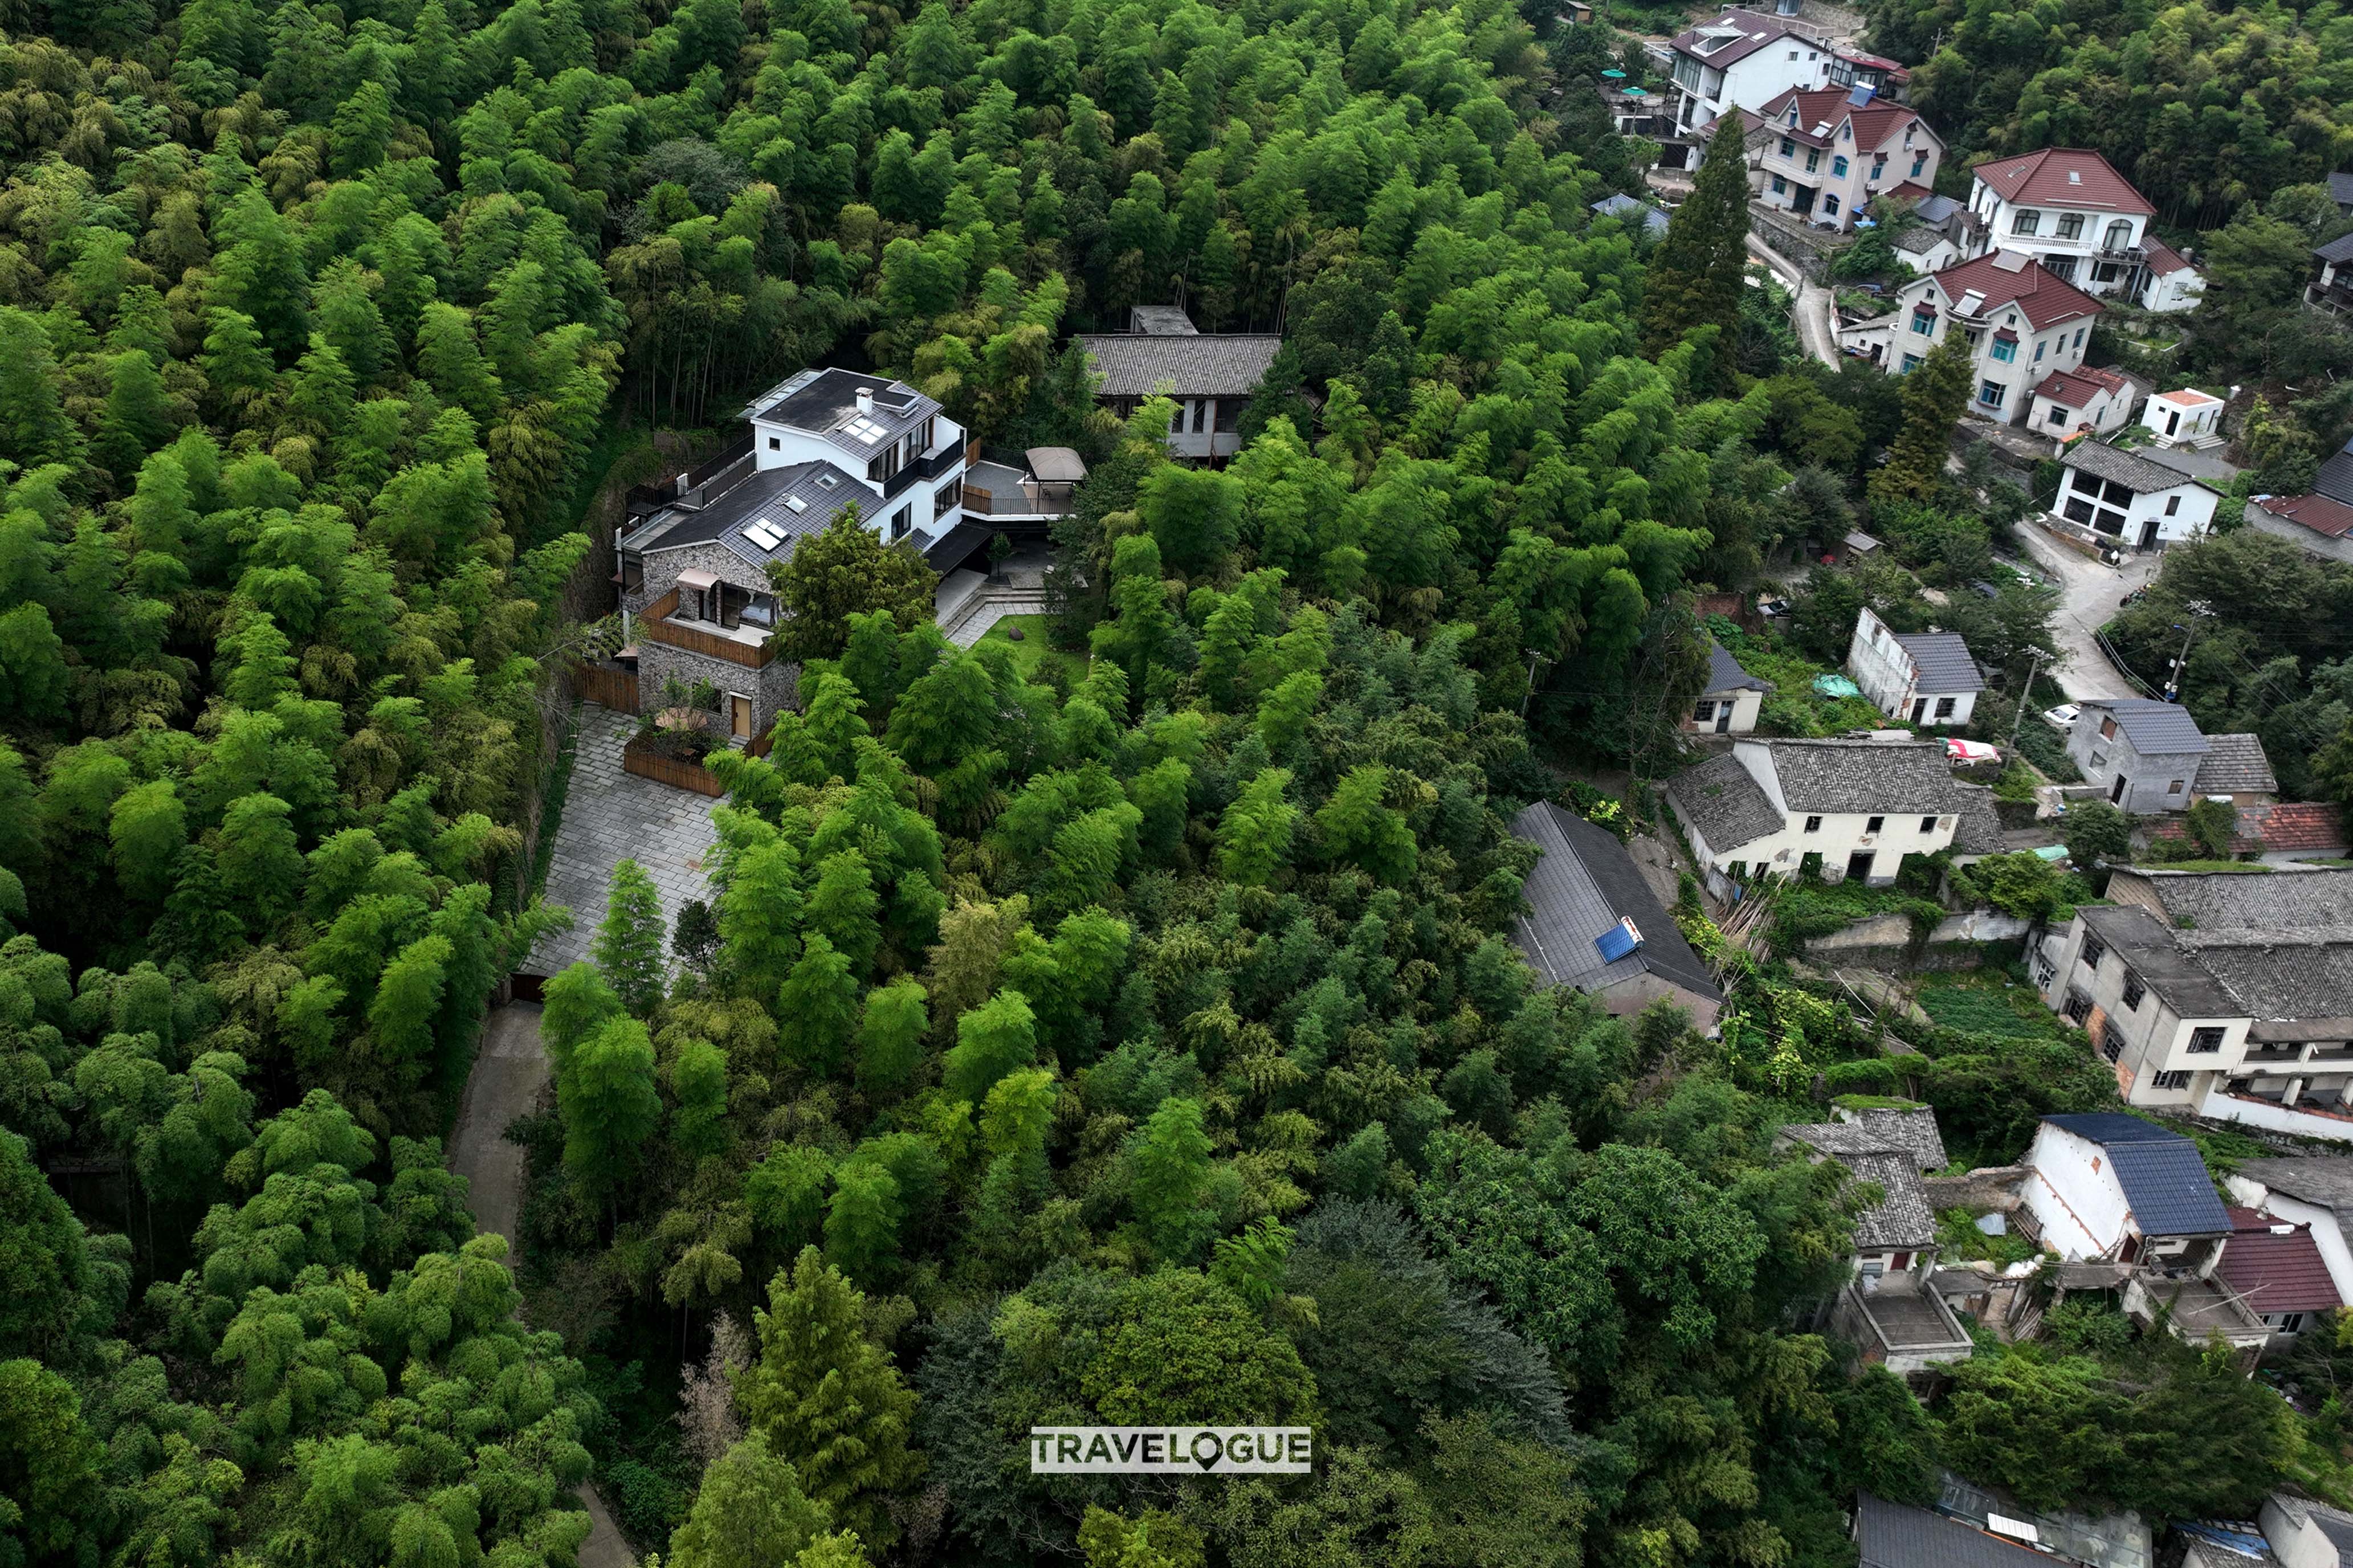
[(607, 685), (648, 763)]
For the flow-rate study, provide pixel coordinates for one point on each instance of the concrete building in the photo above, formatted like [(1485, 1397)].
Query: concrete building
[(2082, 401), (1853, 808), (2106, 1186), (2274, 1267), (2230, 994), (2070, 211), (1210, 375), (2145, 753), (1826, 152), (2186, 418), (1730, 704), (2021, 323), (1924, 677), (1593, 923), (2135, 502), (1886, 79), (1742, 59)]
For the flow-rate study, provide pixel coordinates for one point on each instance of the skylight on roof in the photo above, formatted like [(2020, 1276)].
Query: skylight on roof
[(761, 534), (2010, 260), (795, 504), (826, 481), (865, 430)]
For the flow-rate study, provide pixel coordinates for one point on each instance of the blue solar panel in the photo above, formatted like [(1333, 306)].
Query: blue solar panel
[(1859, 98), (1618, 941)]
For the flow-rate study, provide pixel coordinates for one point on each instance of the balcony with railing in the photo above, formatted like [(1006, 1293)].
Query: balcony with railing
[(930, 466), (743, 645)]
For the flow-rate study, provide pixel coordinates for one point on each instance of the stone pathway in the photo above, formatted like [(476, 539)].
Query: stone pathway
[(610, 817)]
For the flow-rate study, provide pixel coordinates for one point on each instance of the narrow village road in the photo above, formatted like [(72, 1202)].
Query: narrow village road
[(2090, 593), (1812, 314), (508, 1075)]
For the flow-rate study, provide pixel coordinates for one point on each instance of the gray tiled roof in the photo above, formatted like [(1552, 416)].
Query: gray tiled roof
[(764, 495), (2340, 189), (1944, 663), (1902, 1217), (1162, 321), (1887, 778), (1584, 884), (1627, 209), (2323, 1179), (2280, 975), (1893, 1535), (2162, 1174), (1720, 799), (1877, 1131), (1725, 674), (1208, 365), (2334, 479), (2234, 763), (2146, 945), (2314, 900), (1979, 832), (822, 400), (2192, 465), (2153, 729), (2124, 468), (2340, 250)]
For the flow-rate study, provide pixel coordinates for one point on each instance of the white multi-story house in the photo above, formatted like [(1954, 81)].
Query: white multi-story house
[(2138, 503), (1825, 153), (2070, 210), (1928, 677), (906, 454), (1741, 61), (2225, 994), (2020, 321), (1853, 808)]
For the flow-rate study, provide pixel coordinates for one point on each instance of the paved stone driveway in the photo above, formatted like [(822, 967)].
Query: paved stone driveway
[(610, 817)]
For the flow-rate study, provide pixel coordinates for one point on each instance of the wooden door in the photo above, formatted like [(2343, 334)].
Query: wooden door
[(739, 716)]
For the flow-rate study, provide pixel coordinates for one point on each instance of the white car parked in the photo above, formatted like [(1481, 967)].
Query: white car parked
[(2061, 717)]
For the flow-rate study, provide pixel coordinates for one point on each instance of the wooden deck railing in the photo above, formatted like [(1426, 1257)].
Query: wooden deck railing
[(657, 625)]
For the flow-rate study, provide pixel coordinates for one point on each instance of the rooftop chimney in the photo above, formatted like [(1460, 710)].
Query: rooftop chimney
[(866, 400)]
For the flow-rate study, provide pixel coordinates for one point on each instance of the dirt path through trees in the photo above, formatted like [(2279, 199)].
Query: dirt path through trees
[(509, 1072)]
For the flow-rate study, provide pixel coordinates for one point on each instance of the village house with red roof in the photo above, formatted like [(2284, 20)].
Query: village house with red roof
[(1825, 153), (2020, 321), (2070, 211), (2071, 403)]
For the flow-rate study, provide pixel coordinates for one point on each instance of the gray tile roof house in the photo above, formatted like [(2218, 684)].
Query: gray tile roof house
[(2339, 250), (1628, 210), (1891, 1148), (2235, 765), (784, 504), (1724, 802), (1943, 662), (2316, 899), (1895, 1535), (1580, 891), (2163, 1176), (2142, 753), (1203, 365), (1876, 776), (2151, 726), (1725, 674), (2340, 190), (2128, 468)]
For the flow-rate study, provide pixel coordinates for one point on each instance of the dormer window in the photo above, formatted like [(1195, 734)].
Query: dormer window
[(2027, 221)]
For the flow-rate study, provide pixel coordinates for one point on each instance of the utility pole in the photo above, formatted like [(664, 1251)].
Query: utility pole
[(2173, 682), (1535, 658), (2025, 695)]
